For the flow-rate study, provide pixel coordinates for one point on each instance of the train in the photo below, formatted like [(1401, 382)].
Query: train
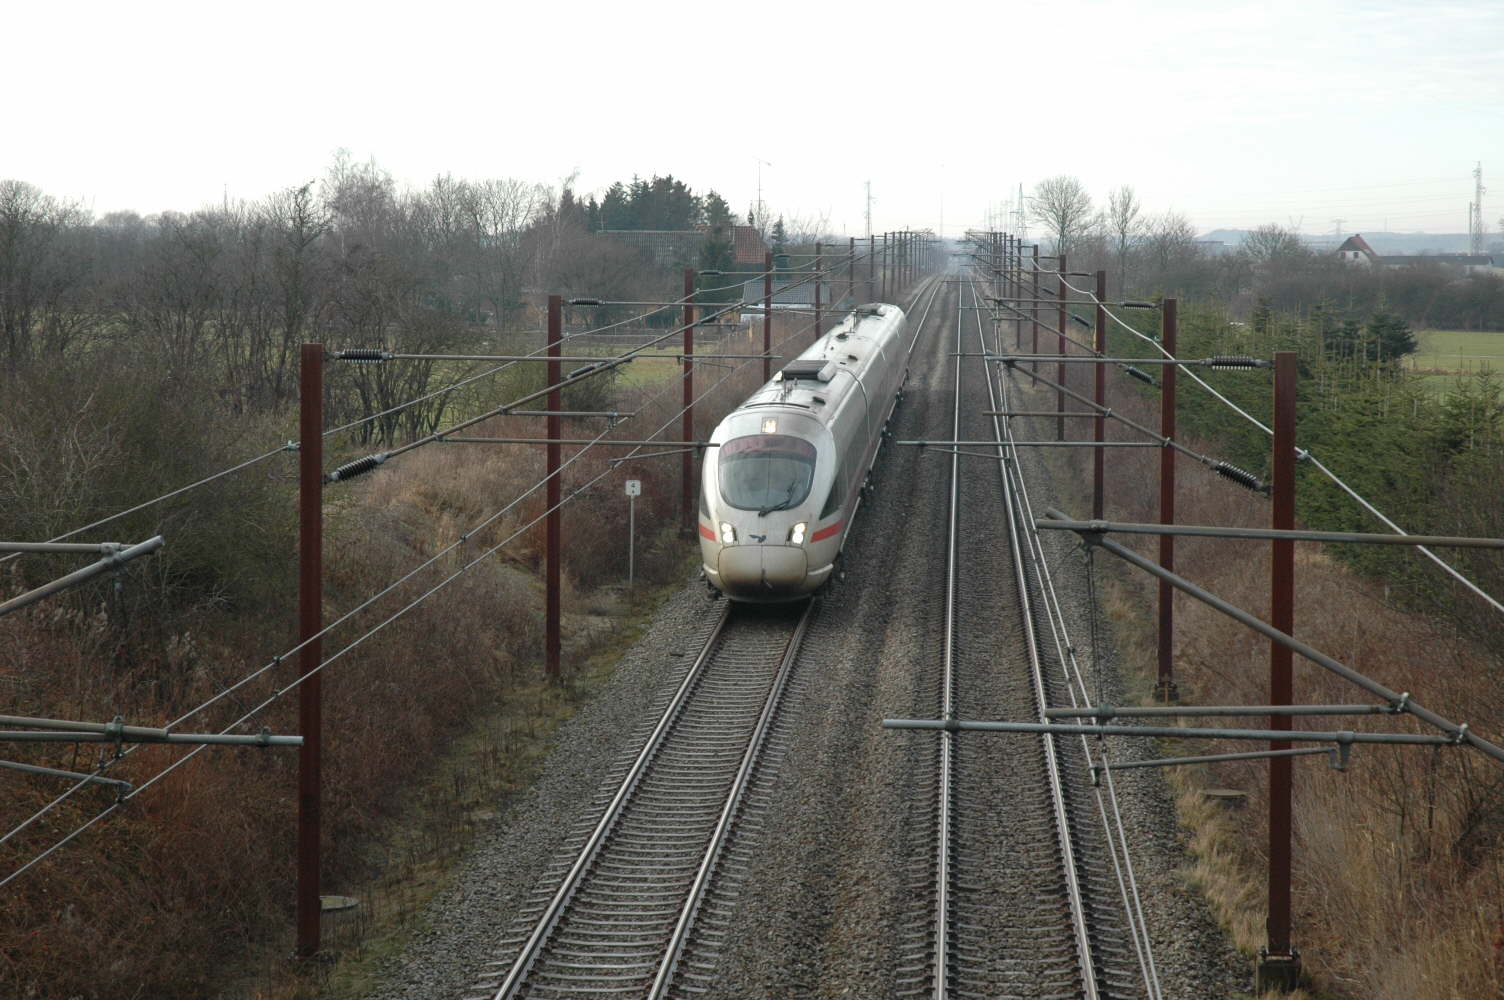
[(787, 469)]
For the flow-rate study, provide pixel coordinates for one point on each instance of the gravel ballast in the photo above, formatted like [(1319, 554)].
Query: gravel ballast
[(826, 906)]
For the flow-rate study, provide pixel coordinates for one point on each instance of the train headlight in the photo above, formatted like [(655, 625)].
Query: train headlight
[(728, 533), (796, 533)]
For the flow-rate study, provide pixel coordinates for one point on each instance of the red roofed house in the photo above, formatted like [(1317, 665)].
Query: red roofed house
[(747, 245), (1355, 250)]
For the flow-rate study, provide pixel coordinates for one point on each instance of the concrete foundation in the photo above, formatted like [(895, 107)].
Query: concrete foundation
[(1279, 973)]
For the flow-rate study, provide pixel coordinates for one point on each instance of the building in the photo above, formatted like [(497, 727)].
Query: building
[(665, 248), (676, 248), (1355, 250), (747, 246), (1468, 263)]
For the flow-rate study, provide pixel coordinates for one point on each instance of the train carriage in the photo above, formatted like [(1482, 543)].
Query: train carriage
[(781, 487)]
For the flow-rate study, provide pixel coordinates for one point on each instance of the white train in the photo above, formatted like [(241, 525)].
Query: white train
[(780, 490)]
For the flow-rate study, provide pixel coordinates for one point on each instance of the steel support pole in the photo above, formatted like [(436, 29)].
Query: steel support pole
[(871, 268), (885, 267), (767, 315), (1034, 314), (1060, 366), (687, 467), (1014, 277), (1279, 963), (851, 270), (819, 277), (1100, 431), (310, 622), (552, 641), (1164, 688)]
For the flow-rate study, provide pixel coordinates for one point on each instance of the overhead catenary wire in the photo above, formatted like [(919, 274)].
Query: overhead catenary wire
[(293, 445), (366, 464), (289, 446), (275, 661), (1011, 471), (1305, 455), (87, 779)]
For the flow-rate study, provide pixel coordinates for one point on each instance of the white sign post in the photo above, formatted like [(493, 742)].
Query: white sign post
[(634, 490)]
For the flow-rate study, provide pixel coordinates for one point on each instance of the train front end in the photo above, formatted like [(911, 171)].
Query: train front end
[(762, 493)]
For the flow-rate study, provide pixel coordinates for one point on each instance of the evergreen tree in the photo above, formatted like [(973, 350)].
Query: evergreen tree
[(717, 253), (1390, 337), (718, 217), (1472, 414), (780, 238), (1261, 316), (616, 208)]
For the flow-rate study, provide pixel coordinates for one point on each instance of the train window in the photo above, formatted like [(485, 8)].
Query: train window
[(766, 472), (837, 493)]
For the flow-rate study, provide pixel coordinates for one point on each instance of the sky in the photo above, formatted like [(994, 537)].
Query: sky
[(1235, 115)]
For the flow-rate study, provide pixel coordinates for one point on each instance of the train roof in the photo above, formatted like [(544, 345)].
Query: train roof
[(810, 381)]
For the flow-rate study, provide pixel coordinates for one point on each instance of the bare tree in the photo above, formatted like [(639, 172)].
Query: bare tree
[(40, 265), (807, 230), (1168, 238), (178, 298), (298, 222), (1063, 207), (500, 212), (1126, 227), (1273, 244)]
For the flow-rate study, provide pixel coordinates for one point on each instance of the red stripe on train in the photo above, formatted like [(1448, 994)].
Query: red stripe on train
[(826, 532), (705, 532)]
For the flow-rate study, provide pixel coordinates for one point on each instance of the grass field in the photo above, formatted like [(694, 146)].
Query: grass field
[(1457, 351)]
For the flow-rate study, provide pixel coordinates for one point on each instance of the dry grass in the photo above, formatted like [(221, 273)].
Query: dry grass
[(1400, 860), (190, 886)]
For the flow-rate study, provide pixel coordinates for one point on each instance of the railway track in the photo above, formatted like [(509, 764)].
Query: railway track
[(1020, 897), (622, 917)]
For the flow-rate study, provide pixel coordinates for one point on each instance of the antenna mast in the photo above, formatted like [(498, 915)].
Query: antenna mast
[(1475, 212), (869, 210)]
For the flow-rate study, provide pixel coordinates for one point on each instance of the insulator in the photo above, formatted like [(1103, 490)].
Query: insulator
[(1233, 361), (1138, 305), (584, 302), (356, 468), (1141, 375), (366, 354), (1242, 477), (1082, 320)]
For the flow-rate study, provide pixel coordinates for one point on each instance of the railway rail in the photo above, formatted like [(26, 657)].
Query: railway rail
[(630, 912), (1020, 901), (621, 919), (1045, 922)]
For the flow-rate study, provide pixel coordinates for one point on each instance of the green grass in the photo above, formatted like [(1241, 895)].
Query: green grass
[(1455, 351), (1443, 356)]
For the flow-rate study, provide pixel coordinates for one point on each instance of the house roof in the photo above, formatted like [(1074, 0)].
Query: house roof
[(1357, 242), (747, 245), (1468, 259), (793, 292), (666, 247)]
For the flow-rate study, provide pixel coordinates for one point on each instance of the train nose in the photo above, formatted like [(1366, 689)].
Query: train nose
[(750, 569)]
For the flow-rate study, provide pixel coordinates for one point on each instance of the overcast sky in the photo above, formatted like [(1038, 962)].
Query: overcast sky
[(1234, 114)]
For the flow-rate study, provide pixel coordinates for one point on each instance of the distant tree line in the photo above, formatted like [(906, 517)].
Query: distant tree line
[(222, 296), (1146, 255), (663, 203)]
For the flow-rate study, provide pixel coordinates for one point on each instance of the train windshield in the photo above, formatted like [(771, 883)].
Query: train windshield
[(766, 472)]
